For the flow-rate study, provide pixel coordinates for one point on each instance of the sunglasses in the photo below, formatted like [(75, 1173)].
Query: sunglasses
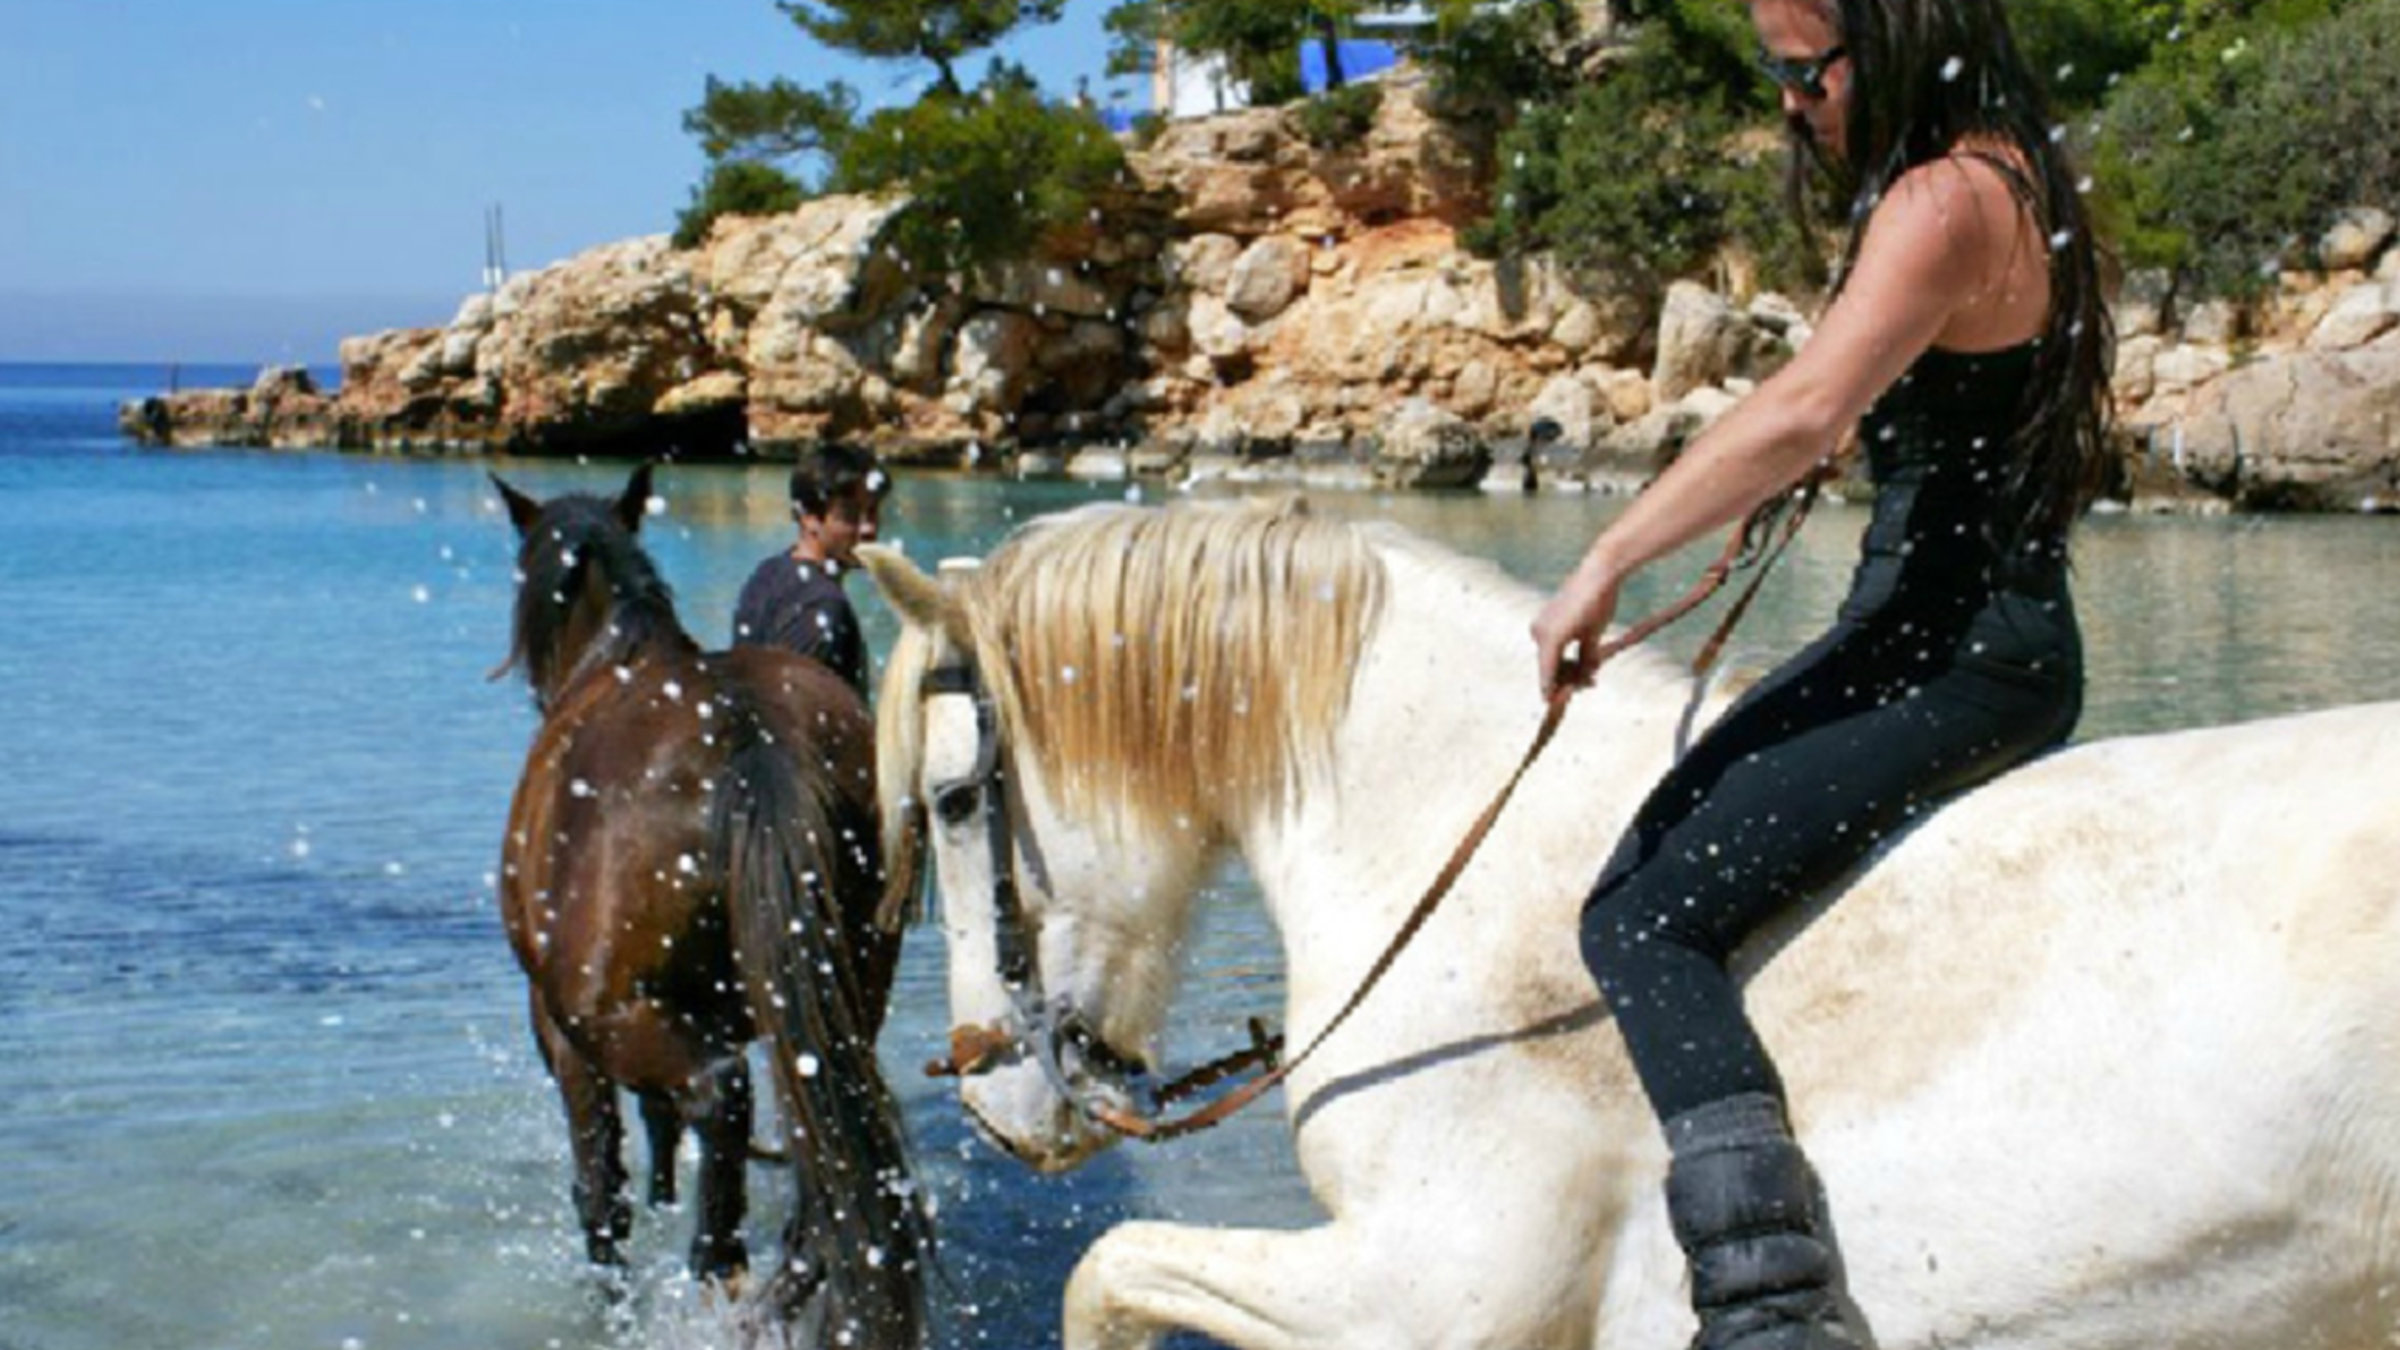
[(1803, 75)]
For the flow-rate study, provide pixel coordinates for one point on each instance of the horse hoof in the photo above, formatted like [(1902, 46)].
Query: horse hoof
[(721, 1266), (615, 1283)]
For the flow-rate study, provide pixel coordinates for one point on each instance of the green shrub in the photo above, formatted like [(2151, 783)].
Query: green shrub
[(2081, 48), (1340, 118), (2224, 160), (1488, 62), (1632, 179), (988, 174), (738, 187)]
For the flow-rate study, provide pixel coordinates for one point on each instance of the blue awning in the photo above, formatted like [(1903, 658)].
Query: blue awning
[(1360, 56)]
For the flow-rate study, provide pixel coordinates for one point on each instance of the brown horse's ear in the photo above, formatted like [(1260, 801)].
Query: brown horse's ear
[(920, 600), (523, 511), (634, 502)]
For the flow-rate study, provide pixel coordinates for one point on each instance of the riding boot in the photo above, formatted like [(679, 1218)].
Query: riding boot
[(1747, 1213)]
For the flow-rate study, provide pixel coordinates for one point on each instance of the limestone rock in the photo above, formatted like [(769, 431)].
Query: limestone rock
[(2141, 308), (1263, 280), (922, 341), (989, 366), (1266, 416), (2186, 364), (2357, 236), (2314, 429), (1042, 288), (1216, 331), (1703, 340), (1420, 445), (276, 382), (713, 392), (1249, 173), (823, 259), (1569, 404), (2137, 367), (2361, 314), (2212, 321)]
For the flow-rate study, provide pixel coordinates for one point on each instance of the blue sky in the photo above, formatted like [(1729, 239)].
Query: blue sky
[(250, 180)]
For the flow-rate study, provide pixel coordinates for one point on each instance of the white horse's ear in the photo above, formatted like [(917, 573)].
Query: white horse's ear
[(921, 601)]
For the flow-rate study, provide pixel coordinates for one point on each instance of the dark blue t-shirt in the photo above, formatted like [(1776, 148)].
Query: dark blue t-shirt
[(800, 606)]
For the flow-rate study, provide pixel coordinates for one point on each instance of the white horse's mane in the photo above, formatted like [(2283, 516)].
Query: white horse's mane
[(1174, 668)]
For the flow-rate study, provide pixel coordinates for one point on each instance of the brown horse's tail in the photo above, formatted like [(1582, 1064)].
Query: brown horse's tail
[(859, 1246)]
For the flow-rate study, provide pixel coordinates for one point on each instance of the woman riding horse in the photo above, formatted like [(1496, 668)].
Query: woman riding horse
[(1967, 341)]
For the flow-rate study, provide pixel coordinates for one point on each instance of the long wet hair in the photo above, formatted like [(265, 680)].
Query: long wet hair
[(1927, 79)]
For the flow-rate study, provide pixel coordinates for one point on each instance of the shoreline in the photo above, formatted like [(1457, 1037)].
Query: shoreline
[(1266, 310)]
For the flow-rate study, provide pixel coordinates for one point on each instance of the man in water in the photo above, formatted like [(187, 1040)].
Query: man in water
[(794, 599)]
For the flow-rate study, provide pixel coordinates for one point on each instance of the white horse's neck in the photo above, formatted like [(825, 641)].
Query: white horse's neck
[(1446, 702)]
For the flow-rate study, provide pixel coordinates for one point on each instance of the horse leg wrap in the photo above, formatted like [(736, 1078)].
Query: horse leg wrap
[(1745, 1208)]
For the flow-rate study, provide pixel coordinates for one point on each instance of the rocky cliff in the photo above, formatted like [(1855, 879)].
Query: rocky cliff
[(1255, 306)]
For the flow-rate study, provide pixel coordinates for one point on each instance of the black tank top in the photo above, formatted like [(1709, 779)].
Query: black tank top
[(1939, 446)]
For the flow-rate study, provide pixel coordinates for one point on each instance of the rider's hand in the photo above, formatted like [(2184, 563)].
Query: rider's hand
[(1566, 633)]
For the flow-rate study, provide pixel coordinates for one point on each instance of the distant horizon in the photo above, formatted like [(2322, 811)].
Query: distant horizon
[(94, 327)]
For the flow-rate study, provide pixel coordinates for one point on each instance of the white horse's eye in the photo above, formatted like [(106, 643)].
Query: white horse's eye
[(957, 803)]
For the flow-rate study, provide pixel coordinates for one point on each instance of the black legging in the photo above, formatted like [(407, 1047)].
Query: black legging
[(1803, 775)]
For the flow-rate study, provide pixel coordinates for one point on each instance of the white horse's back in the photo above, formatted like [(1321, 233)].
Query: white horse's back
[(2104, 1053)]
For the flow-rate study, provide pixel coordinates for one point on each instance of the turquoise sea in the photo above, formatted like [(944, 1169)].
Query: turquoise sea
[(264, 1077)]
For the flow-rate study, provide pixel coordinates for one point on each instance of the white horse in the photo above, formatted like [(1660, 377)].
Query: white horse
[(2104, 1054)]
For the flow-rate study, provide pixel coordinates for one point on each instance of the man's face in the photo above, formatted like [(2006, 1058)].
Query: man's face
[(849, 521)]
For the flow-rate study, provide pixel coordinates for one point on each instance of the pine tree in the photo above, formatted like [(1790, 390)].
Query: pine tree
[(1259, 40), (939, 31), (987, 171)]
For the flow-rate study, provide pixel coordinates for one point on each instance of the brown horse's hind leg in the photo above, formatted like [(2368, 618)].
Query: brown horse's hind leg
[(663, 1122), (596, 1132), (719, 1108)]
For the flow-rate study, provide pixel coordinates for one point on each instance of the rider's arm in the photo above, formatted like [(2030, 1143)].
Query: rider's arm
[(1927, 253)]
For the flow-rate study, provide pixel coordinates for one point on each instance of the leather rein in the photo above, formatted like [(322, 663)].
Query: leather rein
[(1048, 1027)]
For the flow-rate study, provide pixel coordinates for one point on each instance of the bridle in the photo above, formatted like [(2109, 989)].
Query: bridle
[(1045, 1027)]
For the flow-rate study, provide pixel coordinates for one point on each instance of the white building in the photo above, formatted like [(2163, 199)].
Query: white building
[(1184, 85)]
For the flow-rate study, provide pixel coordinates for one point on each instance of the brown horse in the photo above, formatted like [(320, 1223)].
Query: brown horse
[(693, 863)]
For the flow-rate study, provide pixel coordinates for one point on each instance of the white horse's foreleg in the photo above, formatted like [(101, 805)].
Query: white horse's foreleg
[(1253, 1289)]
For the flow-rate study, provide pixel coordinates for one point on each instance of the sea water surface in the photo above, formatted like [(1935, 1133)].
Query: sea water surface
[(264, 1074)]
